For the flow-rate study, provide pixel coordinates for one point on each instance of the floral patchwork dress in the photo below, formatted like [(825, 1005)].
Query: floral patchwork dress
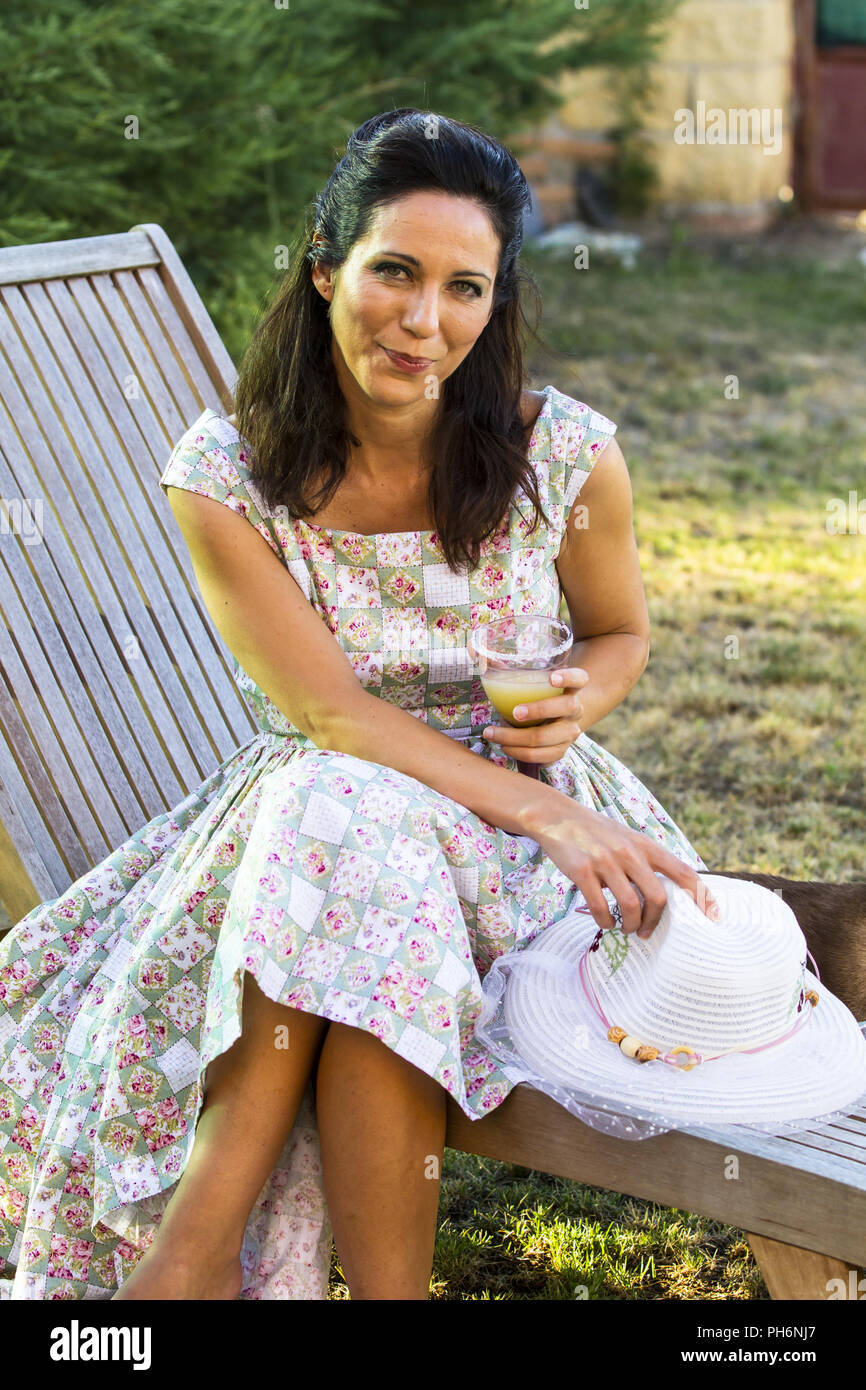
[(345, 888)]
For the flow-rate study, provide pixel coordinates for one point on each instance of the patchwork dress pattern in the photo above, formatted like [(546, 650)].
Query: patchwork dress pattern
[(345, 888)]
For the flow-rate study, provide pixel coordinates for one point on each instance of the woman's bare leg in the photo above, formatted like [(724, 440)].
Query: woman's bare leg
[(254, 1091), (381, 1123)]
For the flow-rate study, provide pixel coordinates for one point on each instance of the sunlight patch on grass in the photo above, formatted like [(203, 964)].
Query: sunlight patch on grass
[(507, 1232)]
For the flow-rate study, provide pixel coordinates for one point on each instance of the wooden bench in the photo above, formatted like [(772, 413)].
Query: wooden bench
[(116, 699)]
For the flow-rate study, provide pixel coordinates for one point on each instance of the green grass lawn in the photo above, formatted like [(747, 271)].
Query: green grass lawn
[(748, 724)]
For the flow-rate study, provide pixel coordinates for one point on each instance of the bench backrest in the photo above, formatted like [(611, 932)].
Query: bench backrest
[(116, 692)]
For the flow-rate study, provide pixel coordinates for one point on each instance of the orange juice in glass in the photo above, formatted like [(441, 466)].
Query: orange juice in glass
[(515, 656)]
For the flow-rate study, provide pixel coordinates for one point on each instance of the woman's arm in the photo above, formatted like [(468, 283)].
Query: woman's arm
[(600, 574), (283, 644)]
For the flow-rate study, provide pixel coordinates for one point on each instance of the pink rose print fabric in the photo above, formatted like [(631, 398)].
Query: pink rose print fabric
[(345, 888)]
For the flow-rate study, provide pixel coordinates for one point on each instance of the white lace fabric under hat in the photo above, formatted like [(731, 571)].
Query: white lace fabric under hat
[(731, 1024)]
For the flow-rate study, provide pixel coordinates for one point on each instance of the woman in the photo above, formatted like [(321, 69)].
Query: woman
[(344, 880)]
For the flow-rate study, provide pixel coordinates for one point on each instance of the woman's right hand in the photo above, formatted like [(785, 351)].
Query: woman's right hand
[(595, 851)]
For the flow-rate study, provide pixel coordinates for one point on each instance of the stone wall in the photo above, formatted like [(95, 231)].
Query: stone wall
[(717, 55)]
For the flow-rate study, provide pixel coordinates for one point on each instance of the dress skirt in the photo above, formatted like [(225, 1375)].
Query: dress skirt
[(345, 889)]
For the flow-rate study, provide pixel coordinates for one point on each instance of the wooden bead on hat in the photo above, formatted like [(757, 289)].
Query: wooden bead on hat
[(632, 1047)]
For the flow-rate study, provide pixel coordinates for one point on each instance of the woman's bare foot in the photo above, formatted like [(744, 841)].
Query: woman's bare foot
[(159, 1275)]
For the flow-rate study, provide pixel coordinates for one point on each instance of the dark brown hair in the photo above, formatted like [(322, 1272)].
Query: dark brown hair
[(288, 402)]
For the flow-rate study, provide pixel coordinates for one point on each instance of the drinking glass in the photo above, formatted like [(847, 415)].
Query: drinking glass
[(515, 656)]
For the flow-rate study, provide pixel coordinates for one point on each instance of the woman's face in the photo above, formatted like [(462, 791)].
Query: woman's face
[(420, 283)]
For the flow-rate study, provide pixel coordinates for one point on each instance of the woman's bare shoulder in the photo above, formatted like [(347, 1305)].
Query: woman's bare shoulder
[(531, 404)]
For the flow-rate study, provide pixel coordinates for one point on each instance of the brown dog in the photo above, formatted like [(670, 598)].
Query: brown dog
[(832, 917)]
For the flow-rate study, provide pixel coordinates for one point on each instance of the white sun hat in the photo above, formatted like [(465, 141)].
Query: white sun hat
[(703, 1022)]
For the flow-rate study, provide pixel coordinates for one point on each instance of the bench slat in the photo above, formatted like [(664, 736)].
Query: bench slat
[(228, 721), (108, 682), (121, 323), (171, 366), (139, 429), (119, 489), (94, 816), (108, 573), (827, 1142), (142, 434), (69, 737), (79, 320), (78, 256), (82, 557), (185, 297), (788, 1148), (113, 700), (38, 812)]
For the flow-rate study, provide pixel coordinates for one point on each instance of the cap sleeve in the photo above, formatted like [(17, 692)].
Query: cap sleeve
[(587, 436), (211, 459)]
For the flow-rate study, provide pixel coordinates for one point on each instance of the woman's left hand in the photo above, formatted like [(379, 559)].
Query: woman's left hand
[(545, 743)]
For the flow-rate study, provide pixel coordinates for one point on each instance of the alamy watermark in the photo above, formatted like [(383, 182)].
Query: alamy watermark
[(22, 516), (847, 520), (77, 1343), (739, 125)]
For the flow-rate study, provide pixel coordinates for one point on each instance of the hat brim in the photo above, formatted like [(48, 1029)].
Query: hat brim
[(554, 1030)]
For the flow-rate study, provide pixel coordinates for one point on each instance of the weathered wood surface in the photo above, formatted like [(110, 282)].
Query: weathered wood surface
[(117, 695)]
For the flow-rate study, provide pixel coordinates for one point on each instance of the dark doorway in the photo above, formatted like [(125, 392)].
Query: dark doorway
[(830, 77)]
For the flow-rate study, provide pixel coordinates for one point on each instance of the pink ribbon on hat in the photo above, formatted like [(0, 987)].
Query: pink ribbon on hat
[(667, 1057)]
